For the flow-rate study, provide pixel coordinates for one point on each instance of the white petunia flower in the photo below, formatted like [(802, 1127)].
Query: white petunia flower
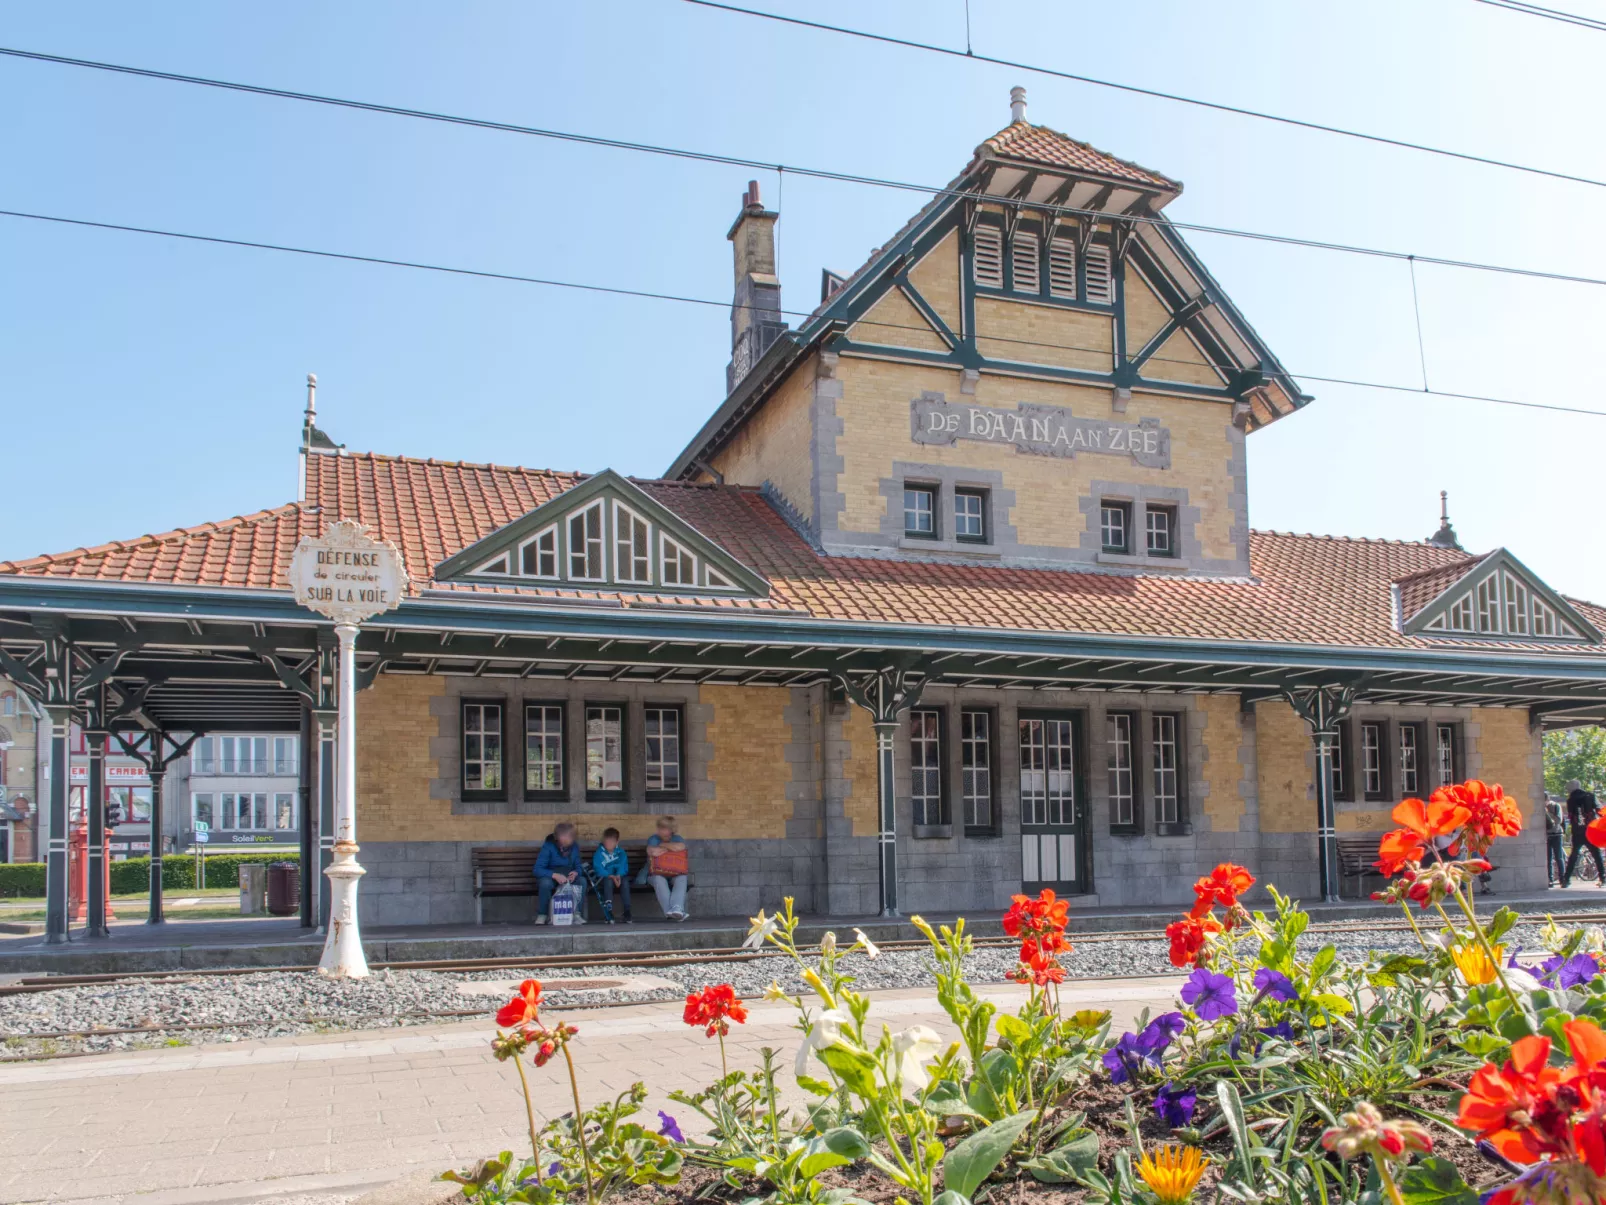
[(827, 1031), (868, 946), (774, 991), (759, 929), (913, 1048), (828, 944)]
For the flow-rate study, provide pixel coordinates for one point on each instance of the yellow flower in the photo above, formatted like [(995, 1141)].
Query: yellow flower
[(1474, 964), (1172, 1173), (818, 984)]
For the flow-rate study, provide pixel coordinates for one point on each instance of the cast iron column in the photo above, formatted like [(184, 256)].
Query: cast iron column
[(326, 811), (157, 772), (1322, 707), (56, 832), (342, 951), (95, 807), (886, 694), (309, 838)]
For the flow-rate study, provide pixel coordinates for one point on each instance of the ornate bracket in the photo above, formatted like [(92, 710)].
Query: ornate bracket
[(885, 693), (154, 758), (1322, 707)]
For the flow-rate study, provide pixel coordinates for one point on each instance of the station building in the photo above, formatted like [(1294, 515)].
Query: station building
[(953, 595)]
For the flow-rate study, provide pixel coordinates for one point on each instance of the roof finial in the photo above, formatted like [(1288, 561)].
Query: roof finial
[(312, 397), (1017, 104), (1445, 537)]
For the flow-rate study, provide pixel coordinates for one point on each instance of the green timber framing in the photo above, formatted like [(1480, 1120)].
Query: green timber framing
[(176, 661)]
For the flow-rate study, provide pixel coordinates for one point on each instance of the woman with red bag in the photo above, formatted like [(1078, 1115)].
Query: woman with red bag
[(668, 867)]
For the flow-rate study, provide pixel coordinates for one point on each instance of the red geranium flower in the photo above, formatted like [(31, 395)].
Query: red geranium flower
[(1490, 812), (1596, 832), (1420, 823), (521, 1010), (715, 1008), (1516, 1107), (1042, 920), (1188, 938), (1039, 967), (1223, 886)]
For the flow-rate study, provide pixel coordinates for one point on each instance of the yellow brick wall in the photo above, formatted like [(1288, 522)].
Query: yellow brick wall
[(1044, 334), (1179, 360), (936, 278), (748, 734), (1283, 753), (773, 445), (1508, 754), (1222, 772), (1145, 313), (894, 322), (875, 413), (862, 805)]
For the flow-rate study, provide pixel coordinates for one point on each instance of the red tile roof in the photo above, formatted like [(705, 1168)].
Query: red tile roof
[(1418, 589), (1318, 590), (1039, 144)]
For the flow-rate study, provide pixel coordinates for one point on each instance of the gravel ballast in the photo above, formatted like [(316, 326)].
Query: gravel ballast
[(287, 1003)]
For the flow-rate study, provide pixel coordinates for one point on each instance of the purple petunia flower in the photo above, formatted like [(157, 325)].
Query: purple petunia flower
[(1161, 1032), (1274, 984), (668, 1128), (1572, 972), (555, 1168), (1282, 1029), (1175, 1105), (1123, 1059), (1210, 995)]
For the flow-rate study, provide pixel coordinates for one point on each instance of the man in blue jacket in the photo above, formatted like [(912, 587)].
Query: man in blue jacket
[(557, 865)]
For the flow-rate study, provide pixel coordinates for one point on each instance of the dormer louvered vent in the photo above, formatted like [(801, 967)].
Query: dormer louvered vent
[(1024, 262), (1062, 268), (988, 256), (1100, 277)]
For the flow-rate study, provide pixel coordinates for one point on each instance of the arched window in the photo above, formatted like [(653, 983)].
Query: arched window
[(8, 703)]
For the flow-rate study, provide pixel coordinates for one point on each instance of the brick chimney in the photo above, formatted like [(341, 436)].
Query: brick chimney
[(756, 306)]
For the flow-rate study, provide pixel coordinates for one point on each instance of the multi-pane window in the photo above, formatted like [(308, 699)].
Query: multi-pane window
[(1461, 614), (1445, 754), (1167, 764), (1023, 259), (203, 756), (632, 551), (284, 754), (970, 515), (1115, 526), (1410, 759), (482, 746), (202, 811), (1488, 602), (1122, 768), (1544, 620), (585, 543), (920, 511), (540, 555), (925, 766), (976, 767), (679, 565), (605, 748), (543, 748), (987, 256), (236, 755), (8, 704), (246, 812), (1047, 772), (284, 811), (1372, 760), (1502, 603), (663, 750), (1340, 768), (1516, 606), (1160, 523)]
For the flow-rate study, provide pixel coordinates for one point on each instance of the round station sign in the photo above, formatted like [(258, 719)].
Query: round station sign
[(346, 574)]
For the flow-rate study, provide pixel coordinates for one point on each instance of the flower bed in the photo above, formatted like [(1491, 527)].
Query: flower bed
[(1437, 1077)]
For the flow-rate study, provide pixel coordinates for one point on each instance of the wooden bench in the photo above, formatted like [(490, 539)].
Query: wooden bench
[(1357, 857), (509, 870)]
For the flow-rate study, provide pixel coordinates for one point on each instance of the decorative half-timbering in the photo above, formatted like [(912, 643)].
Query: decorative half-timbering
[(1490, 596)]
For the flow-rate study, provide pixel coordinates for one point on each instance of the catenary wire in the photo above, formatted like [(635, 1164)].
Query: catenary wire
[(1218, 106), (1552, 14), (817, 173), (647, 294)]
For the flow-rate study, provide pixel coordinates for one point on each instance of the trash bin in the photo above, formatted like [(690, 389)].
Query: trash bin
[(284, 889), (253, 890)]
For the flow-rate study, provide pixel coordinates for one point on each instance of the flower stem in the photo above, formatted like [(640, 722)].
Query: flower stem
[(580, 1123), (1405, 906), (529, 1111), (1483, 940), (724, 1067), (1387, 1177)]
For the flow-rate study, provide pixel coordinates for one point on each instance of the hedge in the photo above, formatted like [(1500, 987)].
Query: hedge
[(134, 875)]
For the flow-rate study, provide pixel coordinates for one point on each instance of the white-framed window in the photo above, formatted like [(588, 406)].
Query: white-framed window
[(987, 255), (925, 766), (976, 767), (632, 554), (718, 581), (1461, 614), (482, 746), (1372, 760), (1160, 530), (1445, 740), (1123, 792), (1410, 760), (1062, 268), (1100, 276), (605, 749), (920, 511), (203, 756), (970, 515), (1047, 772), (1544, 618), (1167, 768), (664, 774), (678, 565), (543, 747), (285, 749), (539, 556), (585, 544), (1335, 752), (8, 703), (1115, 526), (1488, 604), (201, 809), (284, 811), (1024, 255), (1516, 605), (246, 811), (499, 565)]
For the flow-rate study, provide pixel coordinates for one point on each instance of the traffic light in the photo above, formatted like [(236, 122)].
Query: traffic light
[(114, 813)]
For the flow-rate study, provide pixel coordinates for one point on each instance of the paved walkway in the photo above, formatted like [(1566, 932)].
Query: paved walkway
[(272, 1120)]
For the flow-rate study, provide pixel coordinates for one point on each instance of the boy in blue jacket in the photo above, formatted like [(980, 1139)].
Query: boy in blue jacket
[(557, 865), (613, 871)]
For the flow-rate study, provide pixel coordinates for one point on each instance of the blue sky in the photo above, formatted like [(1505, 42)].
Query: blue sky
[(148, 384)]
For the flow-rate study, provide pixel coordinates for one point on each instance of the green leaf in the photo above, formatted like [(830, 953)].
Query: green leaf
[(978, 1156), (947, 1100), (1435, 1182), (854, 1067), (1068, 1162), (1017, 1031), (834, 1148), (1232, 1112), (1500, 925), (817, 1086), (1278, 955), (1322, 963), (1334, 1004), (950, 1197)]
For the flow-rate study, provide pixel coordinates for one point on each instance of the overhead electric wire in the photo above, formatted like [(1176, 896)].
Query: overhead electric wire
[(651, 295), (1218, 106), (1551, 14), (507, 127)]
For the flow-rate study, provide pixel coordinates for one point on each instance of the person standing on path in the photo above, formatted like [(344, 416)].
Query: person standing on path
[(1581, 809), (1555, 854)]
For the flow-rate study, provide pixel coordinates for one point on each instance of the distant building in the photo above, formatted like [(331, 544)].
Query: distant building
[(19, 776), (245, 789)]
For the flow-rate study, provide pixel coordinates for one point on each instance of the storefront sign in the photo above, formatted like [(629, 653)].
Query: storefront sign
[(1039, 430), (252, 838), (137, 774), (346, 575)]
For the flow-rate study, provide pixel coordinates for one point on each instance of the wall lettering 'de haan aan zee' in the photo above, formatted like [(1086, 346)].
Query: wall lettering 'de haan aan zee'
[(1038, 430)]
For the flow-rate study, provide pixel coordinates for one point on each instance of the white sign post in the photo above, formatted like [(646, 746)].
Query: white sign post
[(348, 577)]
